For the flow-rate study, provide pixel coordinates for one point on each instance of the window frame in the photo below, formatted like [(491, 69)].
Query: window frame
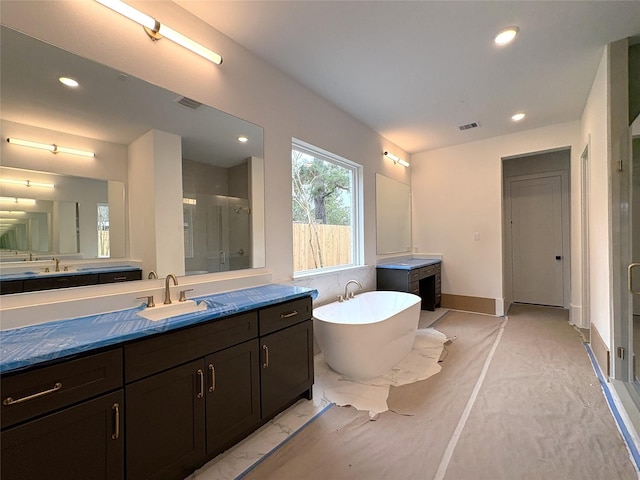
[(357, 214)]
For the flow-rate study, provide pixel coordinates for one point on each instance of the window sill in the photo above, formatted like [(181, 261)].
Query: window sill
[(328, 271)]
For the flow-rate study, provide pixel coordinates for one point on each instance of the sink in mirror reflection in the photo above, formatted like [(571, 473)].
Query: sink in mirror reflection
[(162, 311), (220, 195)]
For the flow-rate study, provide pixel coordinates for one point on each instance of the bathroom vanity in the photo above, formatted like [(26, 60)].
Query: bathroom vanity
[(418, 276), (36, 281), (131, 398)]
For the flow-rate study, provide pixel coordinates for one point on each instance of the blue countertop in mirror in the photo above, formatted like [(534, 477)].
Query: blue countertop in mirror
[(28, 346), (76, 271), (409, 264)]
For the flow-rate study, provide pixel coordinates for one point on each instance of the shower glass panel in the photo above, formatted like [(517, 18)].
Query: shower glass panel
[(218, 232)]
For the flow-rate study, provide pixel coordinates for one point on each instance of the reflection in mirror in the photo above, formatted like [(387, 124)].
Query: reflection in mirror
[(393, 216), (50, 214), (113, 114)]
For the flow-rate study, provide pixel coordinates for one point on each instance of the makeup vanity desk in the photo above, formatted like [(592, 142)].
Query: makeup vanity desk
[(417, 275)]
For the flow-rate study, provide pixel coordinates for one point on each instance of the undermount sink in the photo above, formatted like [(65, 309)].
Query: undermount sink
[(161, 312)]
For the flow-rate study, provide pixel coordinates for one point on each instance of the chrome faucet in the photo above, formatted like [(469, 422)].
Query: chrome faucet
[(347, 294), (167, 292)]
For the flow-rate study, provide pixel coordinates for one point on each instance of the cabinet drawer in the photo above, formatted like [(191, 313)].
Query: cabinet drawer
[(112, 277), (24, 397), (11, 286), (414, 287), (284, 315), (158, 353), (62, 281)]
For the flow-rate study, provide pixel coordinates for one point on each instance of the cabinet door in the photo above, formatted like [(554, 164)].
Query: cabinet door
[(233, 394), (80, 442), (286, 366), (165, 423)]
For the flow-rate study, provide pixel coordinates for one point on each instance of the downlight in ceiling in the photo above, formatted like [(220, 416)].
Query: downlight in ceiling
[(187, 102), (469, 126)]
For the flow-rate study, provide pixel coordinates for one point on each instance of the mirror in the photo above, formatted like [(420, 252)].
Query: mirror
[(58, 215), (107, 113), (393, 216)]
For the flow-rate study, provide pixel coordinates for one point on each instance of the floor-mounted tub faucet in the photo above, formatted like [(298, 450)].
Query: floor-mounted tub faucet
[(167, 292), (347, 294)]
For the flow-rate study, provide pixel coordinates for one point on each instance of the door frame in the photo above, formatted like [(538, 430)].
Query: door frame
[(566, 232), (585, 180)]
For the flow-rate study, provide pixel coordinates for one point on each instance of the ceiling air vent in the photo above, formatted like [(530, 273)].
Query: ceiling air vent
[(187, 102), (469, 125)]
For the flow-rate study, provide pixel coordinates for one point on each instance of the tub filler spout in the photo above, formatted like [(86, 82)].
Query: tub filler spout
[(347, 294)]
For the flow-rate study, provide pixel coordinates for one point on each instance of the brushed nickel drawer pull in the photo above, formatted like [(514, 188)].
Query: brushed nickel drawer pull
[(117, 279), (10, 401), (213, 378), (266, 356), (116, 409), (289, 315), (201, 375)]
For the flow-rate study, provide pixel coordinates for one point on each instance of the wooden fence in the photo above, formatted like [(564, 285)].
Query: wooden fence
[(331, 243)]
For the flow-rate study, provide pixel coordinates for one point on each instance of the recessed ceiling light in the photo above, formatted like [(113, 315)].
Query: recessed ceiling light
[(243, 139), (506, 36), (517, 117), (69, 82)]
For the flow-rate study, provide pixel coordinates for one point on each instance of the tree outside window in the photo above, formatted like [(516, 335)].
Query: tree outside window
[(323, 202)]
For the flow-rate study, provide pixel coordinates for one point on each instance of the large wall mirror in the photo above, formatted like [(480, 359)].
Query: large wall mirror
[(393, 216), (80, 206)]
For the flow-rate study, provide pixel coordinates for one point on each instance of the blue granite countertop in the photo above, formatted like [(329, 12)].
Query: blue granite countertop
[(28, 346), (410, 264), (78, 271)]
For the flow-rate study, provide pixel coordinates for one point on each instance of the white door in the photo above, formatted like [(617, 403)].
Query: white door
[(536, 240)]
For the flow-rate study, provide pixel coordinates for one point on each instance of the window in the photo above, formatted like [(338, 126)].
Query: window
[(103, 231), (326, 210)]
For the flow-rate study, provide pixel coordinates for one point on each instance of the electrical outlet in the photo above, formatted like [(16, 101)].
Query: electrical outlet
[(476, 236)]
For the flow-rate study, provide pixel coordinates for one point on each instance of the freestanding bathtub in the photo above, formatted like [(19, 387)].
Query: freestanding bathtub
[(366, 336)]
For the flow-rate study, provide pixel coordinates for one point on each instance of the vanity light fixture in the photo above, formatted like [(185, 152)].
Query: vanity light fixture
[(189, 201), (506, 36), (243, 139), (52, 147), (518, 116), (26, 183), (396, 159), (157, 30), (26, 201)]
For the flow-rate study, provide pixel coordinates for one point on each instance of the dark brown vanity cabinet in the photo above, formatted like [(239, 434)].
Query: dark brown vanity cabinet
[(286, 342), (64, 421), (161, 406), (180, 416), (64, 280), (422, 281)]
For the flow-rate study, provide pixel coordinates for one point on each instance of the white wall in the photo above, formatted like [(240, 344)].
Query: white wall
[(457, 191), (244, 86), (594, 132)]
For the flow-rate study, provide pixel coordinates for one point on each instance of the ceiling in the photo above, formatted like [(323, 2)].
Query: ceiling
[(414, 71)]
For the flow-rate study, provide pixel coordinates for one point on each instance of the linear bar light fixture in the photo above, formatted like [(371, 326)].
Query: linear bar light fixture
[(157, 30), (52, 147), (396, 159), (26, 201), (26, 183)]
